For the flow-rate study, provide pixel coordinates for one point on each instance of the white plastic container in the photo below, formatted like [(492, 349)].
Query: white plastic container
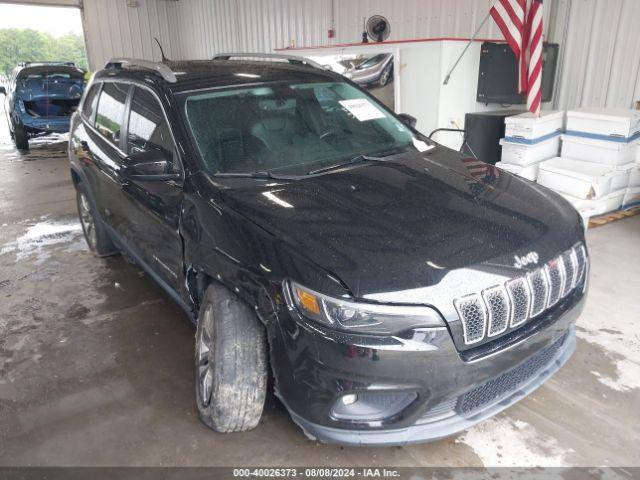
[(527, 128), (530, 172), (521, 154), (583, 180), (634, 176), (631, 197), (637, 143), (599, 206), (621, 176), (598, 151), (615, 123)]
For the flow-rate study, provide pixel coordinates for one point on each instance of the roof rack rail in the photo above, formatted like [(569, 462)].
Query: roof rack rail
[(293, 59), (161, 69)]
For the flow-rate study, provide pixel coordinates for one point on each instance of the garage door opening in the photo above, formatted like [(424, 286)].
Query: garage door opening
[(32, 34), (36, 33)]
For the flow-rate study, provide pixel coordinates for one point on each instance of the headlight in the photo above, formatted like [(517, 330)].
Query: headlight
[(360, 317)]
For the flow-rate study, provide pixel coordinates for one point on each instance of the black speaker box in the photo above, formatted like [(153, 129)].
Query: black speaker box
[(484, 131)]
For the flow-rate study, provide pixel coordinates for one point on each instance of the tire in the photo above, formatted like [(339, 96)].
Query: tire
[(386, 75), (20, 137), (231, 363), (94, 231)]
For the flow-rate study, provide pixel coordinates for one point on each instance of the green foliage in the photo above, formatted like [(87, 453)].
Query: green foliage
[(24, 45)]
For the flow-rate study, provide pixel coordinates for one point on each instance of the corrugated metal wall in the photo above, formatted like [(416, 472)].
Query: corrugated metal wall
[(601, 58), (418, 18), (600, 44), (214, 26), (114, 29)]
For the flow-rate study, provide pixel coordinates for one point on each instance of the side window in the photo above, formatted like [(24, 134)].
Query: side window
[(110, 111), (90, 102), (148, 129)]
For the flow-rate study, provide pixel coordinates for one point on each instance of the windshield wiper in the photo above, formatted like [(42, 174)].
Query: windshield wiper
[(356, 159), (258, 174)]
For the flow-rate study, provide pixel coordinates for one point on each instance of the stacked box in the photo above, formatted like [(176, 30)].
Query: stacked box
[(632, 195), (581, 180), (529, 140), (605, 138)]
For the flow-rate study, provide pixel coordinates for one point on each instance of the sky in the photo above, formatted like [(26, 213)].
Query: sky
[(54, 20)]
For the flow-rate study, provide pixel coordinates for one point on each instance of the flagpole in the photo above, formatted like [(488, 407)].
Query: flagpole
[(473, 37)]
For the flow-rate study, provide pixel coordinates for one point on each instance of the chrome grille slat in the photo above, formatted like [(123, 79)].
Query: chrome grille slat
[(520, 297), (554, 270), (569, 260), (581, 256), (539, 291), (499, 309), (473, 316), (503, 307)]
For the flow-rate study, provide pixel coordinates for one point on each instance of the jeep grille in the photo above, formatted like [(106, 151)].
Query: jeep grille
[(503, 307)]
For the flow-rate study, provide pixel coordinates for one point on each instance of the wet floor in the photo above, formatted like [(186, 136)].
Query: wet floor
[(96, 367)]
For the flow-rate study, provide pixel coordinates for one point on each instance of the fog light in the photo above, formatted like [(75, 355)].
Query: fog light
[(350, 399), (371, 406)]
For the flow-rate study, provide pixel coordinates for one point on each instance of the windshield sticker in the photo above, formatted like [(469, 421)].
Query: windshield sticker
[(421, 146), (362, 109)]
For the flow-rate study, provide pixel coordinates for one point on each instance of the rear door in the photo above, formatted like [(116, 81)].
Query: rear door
[(106, 144), (152, 220)]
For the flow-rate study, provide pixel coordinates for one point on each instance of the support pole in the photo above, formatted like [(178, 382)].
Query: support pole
[(473, 37)]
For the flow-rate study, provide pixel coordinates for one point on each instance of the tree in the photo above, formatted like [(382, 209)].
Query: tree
[(25, 45)]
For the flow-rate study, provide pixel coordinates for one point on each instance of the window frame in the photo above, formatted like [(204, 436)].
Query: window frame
[(162, 113), (123, 131), (91, 120)]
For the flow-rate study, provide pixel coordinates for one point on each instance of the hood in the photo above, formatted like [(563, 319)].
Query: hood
[(392, 230)]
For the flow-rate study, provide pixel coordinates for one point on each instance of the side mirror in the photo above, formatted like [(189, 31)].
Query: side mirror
[(408, 120), (148, 166), (3, 91)]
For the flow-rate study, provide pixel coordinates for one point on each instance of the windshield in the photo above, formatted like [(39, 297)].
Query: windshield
[(290, 126), (370, 62)]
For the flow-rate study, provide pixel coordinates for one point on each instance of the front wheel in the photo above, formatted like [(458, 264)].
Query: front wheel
[(95, 233), (230, 361), (386, 75)]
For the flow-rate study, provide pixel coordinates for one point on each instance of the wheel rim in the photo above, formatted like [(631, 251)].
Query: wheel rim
[(385, 76), (205, 357), (86, 219)]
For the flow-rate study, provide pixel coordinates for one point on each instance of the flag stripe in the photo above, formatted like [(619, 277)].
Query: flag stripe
[(520, 22), (513, 43)]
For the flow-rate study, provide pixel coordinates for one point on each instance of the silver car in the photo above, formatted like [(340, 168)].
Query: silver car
[(377, 69)]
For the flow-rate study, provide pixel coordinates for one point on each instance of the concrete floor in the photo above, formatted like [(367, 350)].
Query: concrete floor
[(96, 361)]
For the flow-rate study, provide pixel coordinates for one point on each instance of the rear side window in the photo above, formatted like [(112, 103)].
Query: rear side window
[(90, 102), (110, 114), (148, 129)]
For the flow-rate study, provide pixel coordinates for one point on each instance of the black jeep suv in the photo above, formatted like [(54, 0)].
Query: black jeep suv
[(397, 291)]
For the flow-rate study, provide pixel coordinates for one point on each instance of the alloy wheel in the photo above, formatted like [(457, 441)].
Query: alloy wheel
[(88, 224), (204, 357)]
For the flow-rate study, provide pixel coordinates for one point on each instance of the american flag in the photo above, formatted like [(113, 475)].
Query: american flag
[(520, 21)]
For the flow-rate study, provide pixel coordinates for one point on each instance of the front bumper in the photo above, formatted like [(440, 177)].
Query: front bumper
[(446, 422), (315, 368)]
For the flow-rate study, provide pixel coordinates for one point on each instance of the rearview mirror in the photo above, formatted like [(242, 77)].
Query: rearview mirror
[(3, 91), (408, 120), (148, 166)]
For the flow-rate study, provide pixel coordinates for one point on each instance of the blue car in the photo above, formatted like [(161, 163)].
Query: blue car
[(40, 99)]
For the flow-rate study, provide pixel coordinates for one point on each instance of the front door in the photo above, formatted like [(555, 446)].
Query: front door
[(152, 221)]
